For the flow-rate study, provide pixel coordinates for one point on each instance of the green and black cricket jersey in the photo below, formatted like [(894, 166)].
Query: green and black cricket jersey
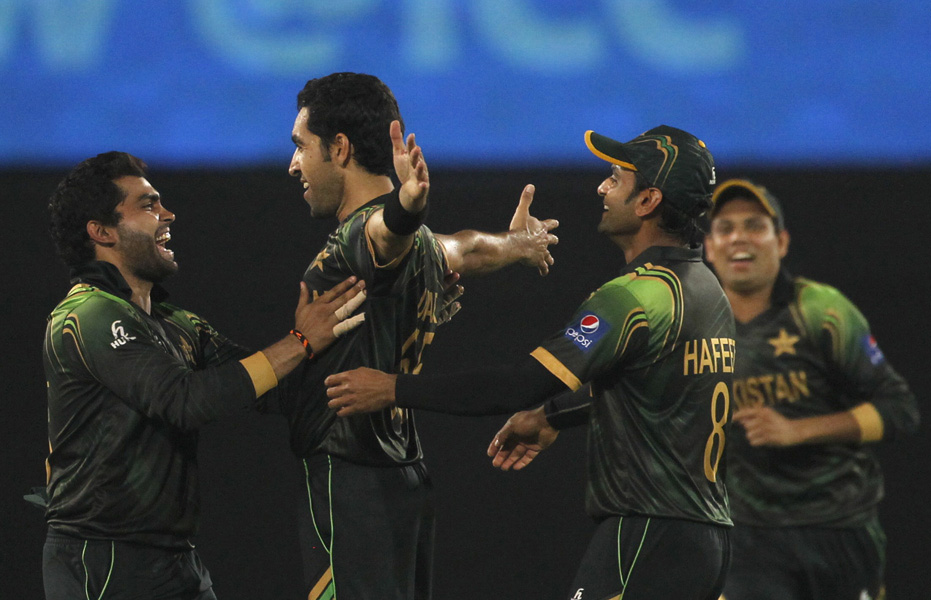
[(657, 345), (126, 393), (811, 353), (400, 320)]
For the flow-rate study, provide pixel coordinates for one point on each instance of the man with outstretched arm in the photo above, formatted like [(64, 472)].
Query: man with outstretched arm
[(656, 345), (813, 395), (130, 380), (366, 523)]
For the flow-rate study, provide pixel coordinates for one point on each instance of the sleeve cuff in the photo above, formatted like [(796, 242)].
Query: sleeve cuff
[(870, 422), (260, 372)]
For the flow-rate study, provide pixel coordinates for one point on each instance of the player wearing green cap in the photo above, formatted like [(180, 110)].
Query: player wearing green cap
[(812, 392), (657, 346)]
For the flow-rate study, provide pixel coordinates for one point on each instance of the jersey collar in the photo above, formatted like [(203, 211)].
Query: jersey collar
[(379, 201), (107, 277), (664, 254)]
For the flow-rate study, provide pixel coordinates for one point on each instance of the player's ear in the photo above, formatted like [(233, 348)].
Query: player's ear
[(341, 149), (784, 239), (648, 202), (709, 249), (105, 235)]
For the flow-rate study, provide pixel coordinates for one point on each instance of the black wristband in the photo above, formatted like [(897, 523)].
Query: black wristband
[(399, 221), (568, 410)]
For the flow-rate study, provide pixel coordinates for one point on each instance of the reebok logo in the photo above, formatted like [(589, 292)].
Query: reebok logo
[(578, 594)]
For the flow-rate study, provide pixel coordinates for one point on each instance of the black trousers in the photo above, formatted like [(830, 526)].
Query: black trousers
[(77, 569), (367, 533), (646, 558), (807, 563)]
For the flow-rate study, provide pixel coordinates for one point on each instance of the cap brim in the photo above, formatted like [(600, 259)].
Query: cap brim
[(607, 149), (729, 189)]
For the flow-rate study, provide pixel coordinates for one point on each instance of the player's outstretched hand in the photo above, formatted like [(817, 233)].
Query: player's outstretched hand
[(361, 390), (766, 427), (450, 303), (534, 234), (525, 435), (326, 318), (411, 169)]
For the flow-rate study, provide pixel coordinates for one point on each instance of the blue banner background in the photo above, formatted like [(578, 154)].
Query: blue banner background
[(482, 82)]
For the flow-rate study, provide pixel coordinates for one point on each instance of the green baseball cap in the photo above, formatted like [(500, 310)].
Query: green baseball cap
[(673, 160), (744, 188)]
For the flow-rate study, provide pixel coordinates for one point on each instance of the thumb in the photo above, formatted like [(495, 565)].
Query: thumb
[(304, 297), (526, 197), (397, 139), (523, 208)]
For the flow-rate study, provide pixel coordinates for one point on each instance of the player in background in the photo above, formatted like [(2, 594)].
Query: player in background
[(813, 394), (130, 380), (366, 525), (656, 344)]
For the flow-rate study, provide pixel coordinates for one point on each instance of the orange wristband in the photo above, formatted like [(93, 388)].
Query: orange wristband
[(303, 340)]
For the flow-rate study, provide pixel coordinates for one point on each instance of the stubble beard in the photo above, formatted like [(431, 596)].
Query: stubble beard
[(143, 257)]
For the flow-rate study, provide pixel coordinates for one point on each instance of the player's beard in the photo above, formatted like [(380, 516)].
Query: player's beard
[(143, 258)]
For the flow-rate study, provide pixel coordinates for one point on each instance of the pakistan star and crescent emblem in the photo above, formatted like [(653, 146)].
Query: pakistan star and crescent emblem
[(783, 343), (318, 261)]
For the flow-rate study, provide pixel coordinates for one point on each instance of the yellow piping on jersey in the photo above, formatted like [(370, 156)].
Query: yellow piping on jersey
[(554, 366)]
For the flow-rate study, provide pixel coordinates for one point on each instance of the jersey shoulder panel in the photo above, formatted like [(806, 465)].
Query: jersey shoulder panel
[(92, 307), (824, 309), (185, 319)]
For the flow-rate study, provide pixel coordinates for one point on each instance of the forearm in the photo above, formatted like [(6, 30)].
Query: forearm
[(840, 427), (473, 252), (488, 391), (283, 357)]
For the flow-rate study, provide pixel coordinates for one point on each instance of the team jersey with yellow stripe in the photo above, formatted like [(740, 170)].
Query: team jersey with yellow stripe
[(126, 393), (403, 300), (812, 354), (657, 345)]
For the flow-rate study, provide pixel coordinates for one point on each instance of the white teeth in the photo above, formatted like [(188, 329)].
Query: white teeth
[(742, 256), (163, 238), (306, 185)]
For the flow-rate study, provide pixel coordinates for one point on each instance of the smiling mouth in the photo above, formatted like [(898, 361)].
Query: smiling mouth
[(160, 242)]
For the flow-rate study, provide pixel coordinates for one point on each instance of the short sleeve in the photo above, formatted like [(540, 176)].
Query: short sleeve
[(608, 329)]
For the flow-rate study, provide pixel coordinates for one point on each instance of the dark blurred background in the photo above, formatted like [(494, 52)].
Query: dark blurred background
[(824, 105), (244, 237)]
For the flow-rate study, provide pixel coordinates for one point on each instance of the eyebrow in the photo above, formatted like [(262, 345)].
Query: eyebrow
[(295, 139), (146, 197)]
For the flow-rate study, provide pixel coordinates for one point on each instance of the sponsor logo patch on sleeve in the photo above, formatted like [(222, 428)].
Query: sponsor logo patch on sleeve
[(872, 349), (587, 331), (120, 337)]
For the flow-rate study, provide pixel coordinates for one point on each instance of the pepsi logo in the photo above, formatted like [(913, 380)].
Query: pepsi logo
[(589, 324)]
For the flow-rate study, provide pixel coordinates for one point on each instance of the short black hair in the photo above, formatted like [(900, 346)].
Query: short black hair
[(687, 229), (359, 106), (89, 193)]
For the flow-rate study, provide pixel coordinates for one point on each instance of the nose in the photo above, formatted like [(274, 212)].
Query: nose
[(166, 216), (294, 169), (603, 188)]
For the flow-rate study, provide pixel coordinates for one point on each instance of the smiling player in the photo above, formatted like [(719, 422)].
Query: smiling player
[(813, 392), (656, 344), (130, 380)]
